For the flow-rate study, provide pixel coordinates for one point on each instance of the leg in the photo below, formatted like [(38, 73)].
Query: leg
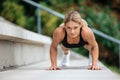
[(66, 56), (90, 57), (65, 50)]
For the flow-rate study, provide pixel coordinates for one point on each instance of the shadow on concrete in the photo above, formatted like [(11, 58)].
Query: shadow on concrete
[(73, 67), (62, 68)]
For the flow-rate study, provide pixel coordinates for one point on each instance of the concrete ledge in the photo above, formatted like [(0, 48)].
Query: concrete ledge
[(21, 47)]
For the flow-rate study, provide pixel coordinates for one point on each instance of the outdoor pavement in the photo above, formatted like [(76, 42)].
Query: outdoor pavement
[(76, 71)]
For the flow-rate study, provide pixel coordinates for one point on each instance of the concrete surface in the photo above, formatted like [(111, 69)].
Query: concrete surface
[(77, 71)]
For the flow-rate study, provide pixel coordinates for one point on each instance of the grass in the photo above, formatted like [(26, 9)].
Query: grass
[(112, 68), (115, 69)]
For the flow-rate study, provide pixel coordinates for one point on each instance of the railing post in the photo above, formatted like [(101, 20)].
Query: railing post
[(119, 56), (38, 21)]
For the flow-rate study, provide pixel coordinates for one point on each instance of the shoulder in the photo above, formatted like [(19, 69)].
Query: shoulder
[(58, 34), (58, 31), (87, 30), (88, 34)]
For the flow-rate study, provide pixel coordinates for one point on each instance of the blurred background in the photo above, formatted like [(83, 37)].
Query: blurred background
[(103, 15)]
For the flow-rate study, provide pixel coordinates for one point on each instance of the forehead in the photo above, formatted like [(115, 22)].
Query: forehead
[(71, 24)]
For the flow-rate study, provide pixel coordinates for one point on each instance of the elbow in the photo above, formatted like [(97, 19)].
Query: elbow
[(95, 47), (53, 48)]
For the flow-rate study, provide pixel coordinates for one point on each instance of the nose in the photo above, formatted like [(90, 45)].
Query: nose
[(72, 31)]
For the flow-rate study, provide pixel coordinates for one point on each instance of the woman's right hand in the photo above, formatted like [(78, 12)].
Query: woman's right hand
[(54, 68)]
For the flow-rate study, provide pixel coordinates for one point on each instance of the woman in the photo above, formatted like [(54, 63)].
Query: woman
[(73, 33)]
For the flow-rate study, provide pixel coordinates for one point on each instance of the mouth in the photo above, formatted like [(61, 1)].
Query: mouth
[(72, 35)]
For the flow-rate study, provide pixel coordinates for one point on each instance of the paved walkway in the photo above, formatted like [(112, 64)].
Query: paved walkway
[(77, 71)]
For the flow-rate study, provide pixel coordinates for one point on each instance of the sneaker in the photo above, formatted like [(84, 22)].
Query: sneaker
[(66, 60)]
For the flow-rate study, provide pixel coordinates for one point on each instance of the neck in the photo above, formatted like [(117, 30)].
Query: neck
[(77, 37)]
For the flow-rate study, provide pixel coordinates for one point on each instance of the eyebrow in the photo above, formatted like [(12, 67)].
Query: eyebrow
[(72, 26)]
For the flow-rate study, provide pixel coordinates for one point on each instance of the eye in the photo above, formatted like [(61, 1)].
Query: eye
[(75, 27), (68, 28)]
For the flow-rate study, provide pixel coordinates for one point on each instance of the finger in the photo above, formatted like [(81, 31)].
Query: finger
[(48, 68), (51, 68), (90, 67), (93, 68), (97, 68), (54, 68), (58, 68)]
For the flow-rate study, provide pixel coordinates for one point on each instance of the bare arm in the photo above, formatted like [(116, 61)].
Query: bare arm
[(53, 49), (90, 38)]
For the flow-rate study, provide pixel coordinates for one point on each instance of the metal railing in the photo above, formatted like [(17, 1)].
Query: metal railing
[(40, 7)]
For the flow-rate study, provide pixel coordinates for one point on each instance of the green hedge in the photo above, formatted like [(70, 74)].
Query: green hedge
[(104, 21)]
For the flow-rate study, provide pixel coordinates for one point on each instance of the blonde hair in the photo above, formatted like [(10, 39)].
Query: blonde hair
[(74, 16)]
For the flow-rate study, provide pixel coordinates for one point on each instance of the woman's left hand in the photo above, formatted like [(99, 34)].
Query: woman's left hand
[(94, 67)]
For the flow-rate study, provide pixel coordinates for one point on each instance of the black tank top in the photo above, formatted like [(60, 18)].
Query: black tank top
[(80, 44)]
